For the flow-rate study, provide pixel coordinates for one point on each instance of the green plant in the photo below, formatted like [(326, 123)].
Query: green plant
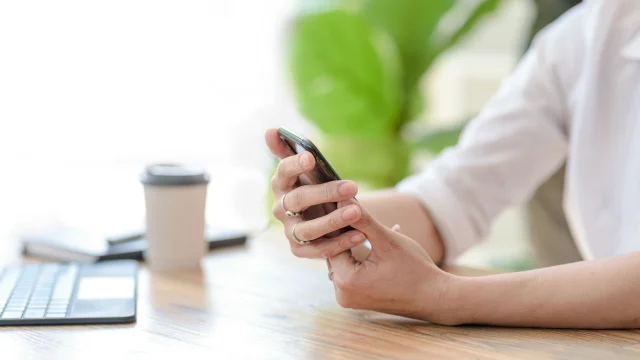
[(356, 67)]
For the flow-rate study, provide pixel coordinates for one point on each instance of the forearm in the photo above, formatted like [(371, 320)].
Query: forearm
[(390, 208), (590, 294)]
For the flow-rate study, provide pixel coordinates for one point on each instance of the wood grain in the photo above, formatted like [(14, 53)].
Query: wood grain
[(258, 301)]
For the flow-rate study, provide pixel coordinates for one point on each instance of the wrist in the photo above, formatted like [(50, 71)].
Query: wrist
[(450, 304)]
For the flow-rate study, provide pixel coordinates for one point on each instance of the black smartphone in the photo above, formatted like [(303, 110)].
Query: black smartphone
[(321, 173)]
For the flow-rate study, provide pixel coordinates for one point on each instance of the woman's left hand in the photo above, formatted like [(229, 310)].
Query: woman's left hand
[(397, 278)]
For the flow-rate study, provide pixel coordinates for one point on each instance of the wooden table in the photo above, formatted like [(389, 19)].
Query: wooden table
[(258, 301)]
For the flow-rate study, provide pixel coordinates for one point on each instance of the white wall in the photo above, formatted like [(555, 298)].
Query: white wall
[(91, 91)]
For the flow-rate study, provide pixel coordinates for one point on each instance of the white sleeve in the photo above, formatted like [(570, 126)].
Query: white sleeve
[(504, 154)]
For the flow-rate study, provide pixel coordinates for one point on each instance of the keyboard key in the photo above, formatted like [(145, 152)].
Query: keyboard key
[(34, 314), (53, 311), (41, 303), (66, 281), (10, 306), (62, 305), (8, 281), (58, 305), (38, 302), (37, 306), (24, 285), (19, 295), (17, 303), (14, 308), (55, 315), (40, 295), (12, 315), (58, 310)]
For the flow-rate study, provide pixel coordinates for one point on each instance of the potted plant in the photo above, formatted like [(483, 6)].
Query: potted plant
[(355, 72)]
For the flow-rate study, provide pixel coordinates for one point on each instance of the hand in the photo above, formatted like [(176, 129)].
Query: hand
[(317, 222), (397, 278)]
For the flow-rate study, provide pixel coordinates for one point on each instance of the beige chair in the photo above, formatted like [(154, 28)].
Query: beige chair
[(549, 232)]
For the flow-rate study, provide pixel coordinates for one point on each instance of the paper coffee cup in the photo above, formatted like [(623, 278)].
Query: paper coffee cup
[(175, 199)]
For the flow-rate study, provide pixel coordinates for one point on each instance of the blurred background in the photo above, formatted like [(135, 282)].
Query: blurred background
[(91, 92)]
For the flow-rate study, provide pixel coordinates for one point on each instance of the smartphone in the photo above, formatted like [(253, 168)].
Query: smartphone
[(321, 173)]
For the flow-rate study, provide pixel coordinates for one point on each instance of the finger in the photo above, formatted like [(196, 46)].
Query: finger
[(329, 247), (382, 239), (277, 210), (366, 223), (306, 196), (276, 144), (319, 227), (343, 276), (289, 169), (343, 265)]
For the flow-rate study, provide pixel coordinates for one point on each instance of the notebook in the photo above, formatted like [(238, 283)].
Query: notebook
[(71, 244)]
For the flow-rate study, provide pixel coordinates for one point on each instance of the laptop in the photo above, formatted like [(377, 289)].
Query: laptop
[(69, 293)]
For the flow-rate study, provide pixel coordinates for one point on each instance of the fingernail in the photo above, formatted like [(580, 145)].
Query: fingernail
[(304, 160), (396, 228), (357, 238), (346, 188), (350, 214)]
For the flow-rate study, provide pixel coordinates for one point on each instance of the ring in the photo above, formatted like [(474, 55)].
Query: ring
[(287, 212), (293, 233)]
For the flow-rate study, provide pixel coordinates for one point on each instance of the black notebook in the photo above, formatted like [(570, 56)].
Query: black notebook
[(81, 246)]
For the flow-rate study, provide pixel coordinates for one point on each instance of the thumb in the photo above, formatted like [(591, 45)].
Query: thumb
[(342, 264), (377, 234)]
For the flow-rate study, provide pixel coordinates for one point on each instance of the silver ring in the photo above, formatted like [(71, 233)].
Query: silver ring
[(295, 238), (287, 212)]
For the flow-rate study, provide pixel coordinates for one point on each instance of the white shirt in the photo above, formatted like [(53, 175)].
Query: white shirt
[(575, 96)]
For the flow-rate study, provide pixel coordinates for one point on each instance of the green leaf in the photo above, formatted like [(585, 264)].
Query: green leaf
[(439, 139), (379, 163), (411, 24), (415, 105), (345, 75)]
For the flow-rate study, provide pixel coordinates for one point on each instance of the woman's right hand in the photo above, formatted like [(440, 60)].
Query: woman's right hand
[(310, 200)]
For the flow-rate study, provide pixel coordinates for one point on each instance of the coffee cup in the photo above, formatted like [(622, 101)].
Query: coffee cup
[(175, 201)]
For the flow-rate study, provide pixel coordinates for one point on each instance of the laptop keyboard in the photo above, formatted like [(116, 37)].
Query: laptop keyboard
[(37, 291)]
